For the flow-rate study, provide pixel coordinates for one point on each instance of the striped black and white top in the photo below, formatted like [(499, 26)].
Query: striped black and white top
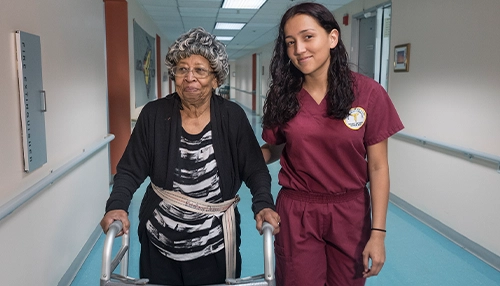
[(183, 235)]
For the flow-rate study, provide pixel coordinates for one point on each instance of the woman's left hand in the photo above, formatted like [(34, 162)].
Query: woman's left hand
[(270, 216), (374, 251)]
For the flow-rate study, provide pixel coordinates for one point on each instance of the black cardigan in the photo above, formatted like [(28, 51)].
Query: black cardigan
[(153, 150)]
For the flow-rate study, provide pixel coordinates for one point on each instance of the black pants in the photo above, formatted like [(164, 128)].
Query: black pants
[(165, 271)]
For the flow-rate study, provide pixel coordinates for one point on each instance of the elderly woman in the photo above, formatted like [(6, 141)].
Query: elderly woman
[(197, 148)]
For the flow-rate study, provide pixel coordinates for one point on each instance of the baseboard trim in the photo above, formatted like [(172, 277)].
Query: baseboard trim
[(73, 269)]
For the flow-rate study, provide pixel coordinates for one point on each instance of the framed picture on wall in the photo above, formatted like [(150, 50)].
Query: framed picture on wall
[(402, 58)]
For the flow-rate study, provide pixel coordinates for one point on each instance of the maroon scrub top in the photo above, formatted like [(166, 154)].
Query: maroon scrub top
[(328, 156)]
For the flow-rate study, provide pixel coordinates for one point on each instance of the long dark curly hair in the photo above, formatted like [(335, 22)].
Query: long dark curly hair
[(281, 103)]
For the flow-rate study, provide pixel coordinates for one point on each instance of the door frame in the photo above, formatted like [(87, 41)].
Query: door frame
[(381, 55)]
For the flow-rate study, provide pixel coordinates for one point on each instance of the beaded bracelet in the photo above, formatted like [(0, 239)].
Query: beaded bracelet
[(379, 229)]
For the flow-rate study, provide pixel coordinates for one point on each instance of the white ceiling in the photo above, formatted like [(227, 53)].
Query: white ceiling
[(174, 17)]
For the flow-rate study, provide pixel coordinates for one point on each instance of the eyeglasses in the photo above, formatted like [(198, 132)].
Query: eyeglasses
[(199, 73)]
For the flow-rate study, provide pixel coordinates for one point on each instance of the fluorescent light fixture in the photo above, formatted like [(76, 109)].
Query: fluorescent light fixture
[(243, 4), (223, 38), (229, 26)]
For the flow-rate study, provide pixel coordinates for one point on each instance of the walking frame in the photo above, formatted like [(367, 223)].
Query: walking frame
[(109, 264)]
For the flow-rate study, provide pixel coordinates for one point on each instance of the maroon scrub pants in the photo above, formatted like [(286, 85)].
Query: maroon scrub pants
[(322, 238)]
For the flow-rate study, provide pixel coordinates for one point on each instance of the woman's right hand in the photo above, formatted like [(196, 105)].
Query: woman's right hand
[(113, 215), (271, 153)]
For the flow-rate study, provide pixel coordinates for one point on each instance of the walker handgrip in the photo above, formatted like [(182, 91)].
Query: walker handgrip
[(267, 230), (109, 266), (267, 233)]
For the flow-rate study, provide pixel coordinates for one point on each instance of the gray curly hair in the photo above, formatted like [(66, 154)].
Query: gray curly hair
[(197, 41)]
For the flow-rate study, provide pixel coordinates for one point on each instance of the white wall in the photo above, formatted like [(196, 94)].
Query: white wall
[(41, 239), (450, 94), (265, 61), (242, 83), (243, 79)]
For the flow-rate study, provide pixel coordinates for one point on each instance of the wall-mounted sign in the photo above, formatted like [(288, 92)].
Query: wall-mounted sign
[(32, 100)]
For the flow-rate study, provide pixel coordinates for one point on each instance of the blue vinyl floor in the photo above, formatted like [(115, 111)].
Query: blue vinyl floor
[(416, 254)]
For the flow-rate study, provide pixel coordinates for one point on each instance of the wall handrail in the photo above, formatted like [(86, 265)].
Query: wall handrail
[(467, 152), (23, 197), (244, 91)]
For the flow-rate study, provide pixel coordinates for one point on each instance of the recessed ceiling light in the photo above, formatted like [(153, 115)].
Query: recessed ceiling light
[(223, 38), (243, 4), (229, 26)]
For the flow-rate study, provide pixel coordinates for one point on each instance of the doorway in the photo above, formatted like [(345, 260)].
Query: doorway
[(366, 56), (371, 42)]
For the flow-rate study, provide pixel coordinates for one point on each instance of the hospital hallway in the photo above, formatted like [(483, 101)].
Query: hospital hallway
[(417, 255)]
